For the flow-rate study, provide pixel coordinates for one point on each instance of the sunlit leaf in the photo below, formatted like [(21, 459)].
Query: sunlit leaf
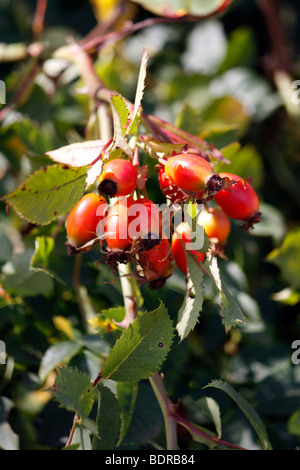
[(141, 349), (74, 391), (18, 279), (189, 312), (247, 409), (230, 310), (48, 193), (77, 154)]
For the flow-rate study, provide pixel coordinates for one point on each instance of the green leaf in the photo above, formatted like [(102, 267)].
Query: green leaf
[(108, 419), (121, 117), (201, 436), (114, 313), (43, 249), (57, 353), (127, 395), (189, 119), (287, 257), (230, 310), (293, 424), (272, 223), (200, 240), (221, 135), (48, 193), (212, 410), (247, 86), (287, 296), (147, 419), (134, 120), (6, 249), (247, 409), (34, 137), (188, 314), (74, 391), (241, 49), (18, 279), (142, 348), (179, 8), (44, 257), (246, 163)]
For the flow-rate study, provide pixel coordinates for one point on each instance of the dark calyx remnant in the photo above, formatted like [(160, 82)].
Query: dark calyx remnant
[(108, 188)]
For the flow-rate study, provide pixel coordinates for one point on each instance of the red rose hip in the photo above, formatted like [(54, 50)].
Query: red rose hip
[(189, 172), (83, 219), (118, 178), (239, 201)]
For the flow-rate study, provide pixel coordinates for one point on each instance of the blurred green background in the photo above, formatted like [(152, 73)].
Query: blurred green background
[(217, 79)]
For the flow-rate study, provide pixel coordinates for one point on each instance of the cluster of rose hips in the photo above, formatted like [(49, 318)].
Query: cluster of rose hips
[(182, 177)]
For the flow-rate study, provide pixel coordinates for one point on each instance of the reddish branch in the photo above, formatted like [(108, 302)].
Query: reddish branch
[(39, 18), (278, 57)]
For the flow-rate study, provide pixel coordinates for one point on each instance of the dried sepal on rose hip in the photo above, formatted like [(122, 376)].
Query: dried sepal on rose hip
[(82, 222), (118, 178), (168, 188), (238, 200)]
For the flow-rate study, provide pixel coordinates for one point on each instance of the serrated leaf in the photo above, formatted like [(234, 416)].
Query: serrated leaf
[(133, 126), (74, 391), (108, 419), (120, 115), (57, 353), (230, 310), (189, 312), (200, 239), (127, 395), (247, 409), (142, 348), (17, 278), (48, 193)]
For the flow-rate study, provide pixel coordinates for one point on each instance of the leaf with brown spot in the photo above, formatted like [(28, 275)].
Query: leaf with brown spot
[(48, 193)]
